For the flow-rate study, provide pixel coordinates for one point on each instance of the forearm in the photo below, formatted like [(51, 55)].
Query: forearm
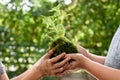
[(99, 59), (102, 72), (4, 77), (96, 58), (30, 74)]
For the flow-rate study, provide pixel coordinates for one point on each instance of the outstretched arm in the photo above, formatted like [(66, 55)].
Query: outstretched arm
[(45, 66), (100, 71), (30, 74), (96, 58)]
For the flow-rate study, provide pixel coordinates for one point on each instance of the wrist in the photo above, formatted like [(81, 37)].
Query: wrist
[(82, 60), (86, 63), (38, 72)]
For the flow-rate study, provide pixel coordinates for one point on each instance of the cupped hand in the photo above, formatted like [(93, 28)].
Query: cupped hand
[(82, 50), (77, 61), (51, 66)]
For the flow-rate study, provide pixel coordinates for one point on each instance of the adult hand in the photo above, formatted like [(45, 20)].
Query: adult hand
[(82, 50), (77, 61), (48, 66)]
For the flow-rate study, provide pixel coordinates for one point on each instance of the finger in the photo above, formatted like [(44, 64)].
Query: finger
[(82, 49), (59, 70), (62, 74), (62, 63), (73, 56), (65, 67), (64, 70), (70, 65), (57, 58), (49, 54)]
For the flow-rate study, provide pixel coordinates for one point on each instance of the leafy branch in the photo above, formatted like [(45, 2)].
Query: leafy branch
[(54, 23)]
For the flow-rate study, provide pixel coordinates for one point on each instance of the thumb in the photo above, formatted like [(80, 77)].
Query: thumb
[(72, 56), (49, 53)]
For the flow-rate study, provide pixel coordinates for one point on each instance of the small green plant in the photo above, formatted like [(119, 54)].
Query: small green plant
[(56, 33), (62, 44)]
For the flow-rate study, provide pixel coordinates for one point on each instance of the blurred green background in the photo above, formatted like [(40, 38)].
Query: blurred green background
[(23, 31)]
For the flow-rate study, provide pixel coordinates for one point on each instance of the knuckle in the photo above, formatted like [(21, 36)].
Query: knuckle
[(61, 69), (63, 62), (59, 64), (49, 61)]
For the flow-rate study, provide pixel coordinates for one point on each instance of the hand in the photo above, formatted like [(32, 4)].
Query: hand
[(48, 66), (77, 61), (82, 50)]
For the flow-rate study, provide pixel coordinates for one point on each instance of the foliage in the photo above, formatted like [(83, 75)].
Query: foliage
[(56, 33), (94, 22), (23, 38)]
